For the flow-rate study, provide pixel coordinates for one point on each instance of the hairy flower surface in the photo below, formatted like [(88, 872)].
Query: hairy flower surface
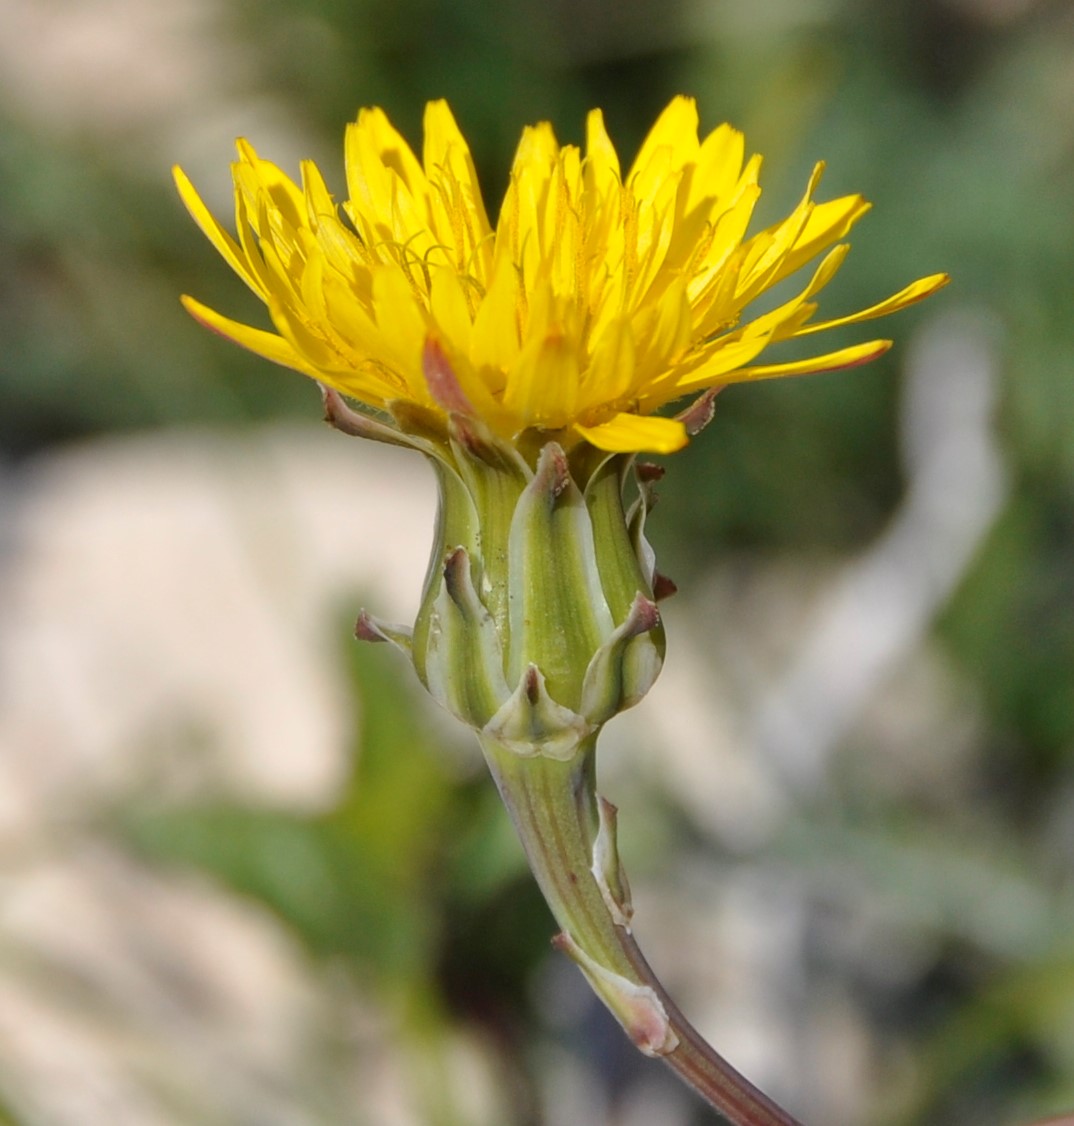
[(597, 299)]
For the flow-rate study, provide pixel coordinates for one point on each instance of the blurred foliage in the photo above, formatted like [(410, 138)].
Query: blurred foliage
[(956, 118), (413, 881)]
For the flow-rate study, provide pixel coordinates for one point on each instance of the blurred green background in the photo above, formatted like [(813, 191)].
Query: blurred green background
[(878, 564)]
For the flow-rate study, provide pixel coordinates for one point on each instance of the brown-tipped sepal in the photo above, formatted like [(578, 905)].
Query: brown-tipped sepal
[(358, 425), (646, 474), (663, 587), (531, 723), (558, 616), (625, 667), (463, 660), (369, 628), (700, 412)]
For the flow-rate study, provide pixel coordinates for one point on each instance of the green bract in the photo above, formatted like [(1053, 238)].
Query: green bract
[(538, 622)]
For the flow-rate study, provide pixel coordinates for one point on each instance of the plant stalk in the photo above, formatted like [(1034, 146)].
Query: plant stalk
[(568, 833)]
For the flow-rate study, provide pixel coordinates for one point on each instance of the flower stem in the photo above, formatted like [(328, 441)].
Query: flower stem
[(568, 833)]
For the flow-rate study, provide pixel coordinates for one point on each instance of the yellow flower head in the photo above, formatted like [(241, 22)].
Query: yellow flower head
[(597, 298)]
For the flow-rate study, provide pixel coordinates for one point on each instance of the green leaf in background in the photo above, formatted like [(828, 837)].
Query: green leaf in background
[(373, 879)]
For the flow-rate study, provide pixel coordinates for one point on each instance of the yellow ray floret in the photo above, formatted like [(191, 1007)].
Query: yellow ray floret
[(596, 300)]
